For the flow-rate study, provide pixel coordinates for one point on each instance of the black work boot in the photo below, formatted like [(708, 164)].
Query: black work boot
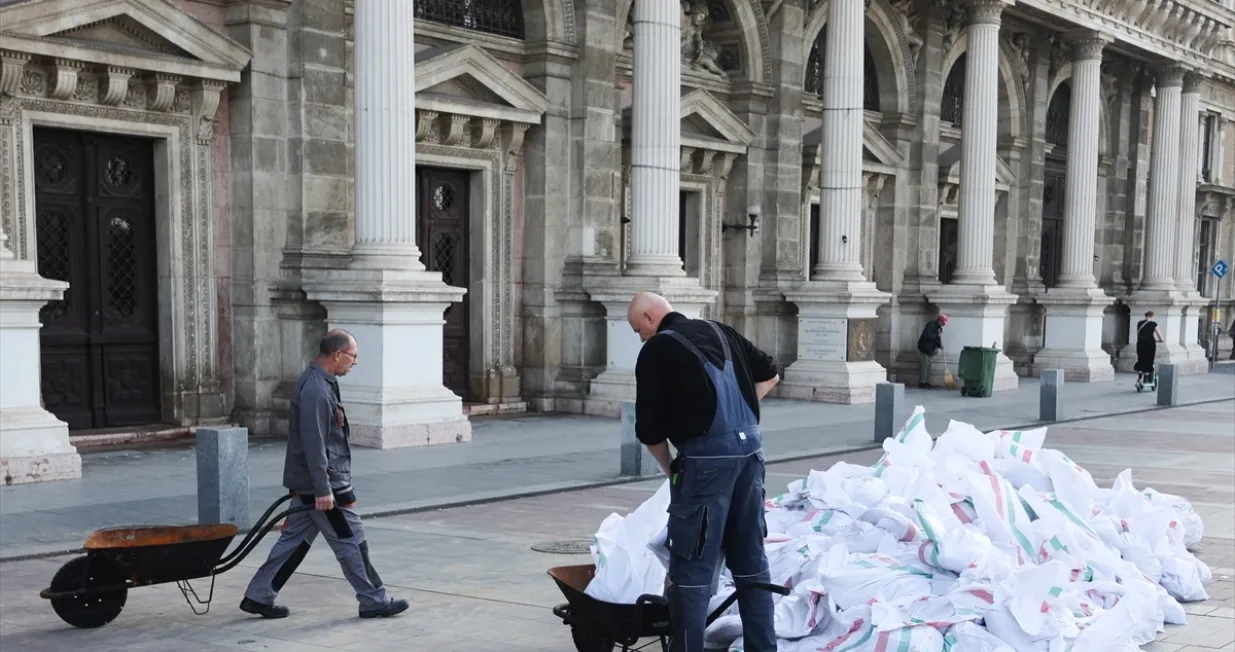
[(392, 608), (263, 610)]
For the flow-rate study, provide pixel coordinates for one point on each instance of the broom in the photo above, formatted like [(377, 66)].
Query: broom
[(948, 381)]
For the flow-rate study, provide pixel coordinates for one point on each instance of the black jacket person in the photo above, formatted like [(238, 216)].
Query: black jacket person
[(698, 385)]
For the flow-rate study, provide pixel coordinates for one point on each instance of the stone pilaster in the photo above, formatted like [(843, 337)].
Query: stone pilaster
[(385, 298), (975, 302), (1158, 291), (1185, 233), (656, 140), (837, 309), (1074, 309)]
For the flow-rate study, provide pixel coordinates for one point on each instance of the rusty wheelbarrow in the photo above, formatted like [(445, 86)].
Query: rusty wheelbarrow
[(90, 591)]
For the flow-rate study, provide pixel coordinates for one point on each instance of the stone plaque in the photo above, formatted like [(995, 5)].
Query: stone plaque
[(822, 340), (861, 340)]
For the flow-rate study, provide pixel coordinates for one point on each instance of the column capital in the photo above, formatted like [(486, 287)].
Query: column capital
[(1087, 45), (1193, 81), (1171, 74), (984, 12)]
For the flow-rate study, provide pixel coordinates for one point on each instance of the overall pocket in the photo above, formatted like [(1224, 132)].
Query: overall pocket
[(704, 477), (687, 530)]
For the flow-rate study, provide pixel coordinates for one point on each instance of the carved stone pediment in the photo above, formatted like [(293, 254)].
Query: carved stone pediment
[(708, 124), (879, 156), (149, 35), (468, 81), (950, 172)]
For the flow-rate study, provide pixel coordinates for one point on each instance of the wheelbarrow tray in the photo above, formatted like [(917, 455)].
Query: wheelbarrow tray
[(155, 554), (649, 617)]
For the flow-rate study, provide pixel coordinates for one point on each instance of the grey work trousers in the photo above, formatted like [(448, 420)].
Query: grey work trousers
[(352, 552), (924, 366)]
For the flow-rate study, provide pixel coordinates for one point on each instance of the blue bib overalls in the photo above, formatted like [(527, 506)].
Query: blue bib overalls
[(715, 510)]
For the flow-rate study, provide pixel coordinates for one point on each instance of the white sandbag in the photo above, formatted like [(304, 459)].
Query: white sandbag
[(979, 542)]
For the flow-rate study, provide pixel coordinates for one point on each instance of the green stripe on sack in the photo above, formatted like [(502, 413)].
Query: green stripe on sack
[(870, 631), (906, 640)]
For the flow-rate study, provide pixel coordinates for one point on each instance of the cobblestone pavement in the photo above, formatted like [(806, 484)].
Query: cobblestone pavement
[(509, 456), (475, 584)]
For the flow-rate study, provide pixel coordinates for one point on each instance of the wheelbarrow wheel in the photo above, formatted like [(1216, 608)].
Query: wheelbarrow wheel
[(588, 641), (87, 612)]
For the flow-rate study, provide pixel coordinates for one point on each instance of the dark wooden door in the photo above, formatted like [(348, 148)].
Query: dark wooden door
[(813, 245), (682, 227), (1050, 261), (949, 241), (94, 208), (442, 225)]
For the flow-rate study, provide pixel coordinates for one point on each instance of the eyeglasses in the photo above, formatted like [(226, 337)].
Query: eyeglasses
[(353, 355)]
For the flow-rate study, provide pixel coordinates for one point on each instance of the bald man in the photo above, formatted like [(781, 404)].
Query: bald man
[(698, 386)]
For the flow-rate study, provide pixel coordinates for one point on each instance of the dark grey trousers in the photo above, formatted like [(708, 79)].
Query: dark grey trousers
[(343, 532)]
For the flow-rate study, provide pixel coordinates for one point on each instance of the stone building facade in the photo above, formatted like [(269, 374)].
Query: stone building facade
[(192, 191)]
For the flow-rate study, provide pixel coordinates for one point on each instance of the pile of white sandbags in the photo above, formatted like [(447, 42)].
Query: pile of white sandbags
[(970, 543)]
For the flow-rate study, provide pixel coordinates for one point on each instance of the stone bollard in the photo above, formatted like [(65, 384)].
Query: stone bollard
[(1168, 385), (223, 476), (889, 410), (637, 462), (1050, 395)]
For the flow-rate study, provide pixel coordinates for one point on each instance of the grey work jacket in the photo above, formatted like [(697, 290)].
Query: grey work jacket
[(319, 456)]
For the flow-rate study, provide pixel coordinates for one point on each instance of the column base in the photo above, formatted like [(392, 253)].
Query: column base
[(1073, 337), (616, 383), (1192, 322), (34, 447), (836, 343), (395, 396), (1168, 306), (977, 315)]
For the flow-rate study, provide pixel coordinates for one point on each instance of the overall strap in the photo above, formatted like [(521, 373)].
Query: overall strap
[(724, 341), (689, 347)]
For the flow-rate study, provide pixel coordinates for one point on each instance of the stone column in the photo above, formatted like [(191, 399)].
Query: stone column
[(385, 108), (837, 309), (1164, 184), (1185, 232), (975, 264), (975, 302), (656, 136), (1159, 291), (840, 175), (385, 298), (1074, 309)]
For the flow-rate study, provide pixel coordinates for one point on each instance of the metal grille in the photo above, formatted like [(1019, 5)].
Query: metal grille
[(52, 235), (500, 17), (1057, 114), (50, 168), (117, 174), (121, 269), (813, 84), (444, 256), (952, 108)]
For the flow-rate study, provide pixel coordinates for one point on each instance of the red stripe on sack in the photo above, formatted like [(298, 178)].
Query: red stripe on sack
[(882, 644), (857, 624), (984, 595), (910, 533)]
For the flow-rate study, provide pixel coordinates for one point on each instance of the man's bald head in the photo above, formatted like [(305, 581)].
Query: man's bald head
[(645, 313)]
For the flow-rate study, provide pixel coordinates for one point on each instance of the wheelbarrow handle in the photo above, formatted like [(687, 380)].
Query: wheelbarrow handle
[(255, 537), (733, 597), (257, 527)]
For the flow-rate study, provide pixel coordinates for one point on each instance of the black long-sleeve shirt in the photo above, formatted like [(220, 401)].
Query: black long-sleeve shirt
[(675, 400)]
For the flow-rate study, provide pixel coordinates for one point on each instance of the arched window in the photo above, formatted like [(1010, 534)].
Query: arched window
[(953, 106), (813, 84), (1057, 114), (500, 17)]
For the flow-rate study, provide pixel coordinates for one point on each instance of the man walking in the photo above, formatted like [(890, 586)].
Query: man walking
[(698, 385), (318, 469), (929, 344)]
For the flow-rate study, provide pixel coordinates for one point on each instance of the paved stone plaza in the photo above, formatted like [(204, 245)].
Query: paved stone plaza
[(510, 456), (475, 585)]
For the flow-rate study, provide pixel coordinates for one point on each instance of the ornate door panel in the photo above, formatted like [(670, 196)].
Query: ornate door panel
[(949, 240), (682, 197), (1050, 259), (94, 208), (441, 229)]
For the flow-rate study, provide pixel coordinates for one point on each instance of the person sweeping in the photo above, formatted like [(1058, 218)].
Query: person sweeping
[(929, 344)]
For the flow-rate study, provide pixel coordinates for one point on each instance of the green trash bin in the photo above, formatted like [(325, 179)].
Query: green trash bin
[(976, 368)]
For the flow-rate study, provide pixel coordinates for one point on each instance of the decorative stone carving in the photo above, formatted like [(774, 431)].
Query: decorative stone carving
[(455, 133), (1018, 43), (205, 101), (698, 53), (116, 85), (12, 67), (486, 128), (163, 92), (64, 71), (954, 22), (906, 11)]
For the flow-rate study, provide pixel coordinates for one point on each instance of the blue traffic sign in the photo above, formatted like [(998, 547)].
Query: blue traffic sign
[(1220, 269)]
